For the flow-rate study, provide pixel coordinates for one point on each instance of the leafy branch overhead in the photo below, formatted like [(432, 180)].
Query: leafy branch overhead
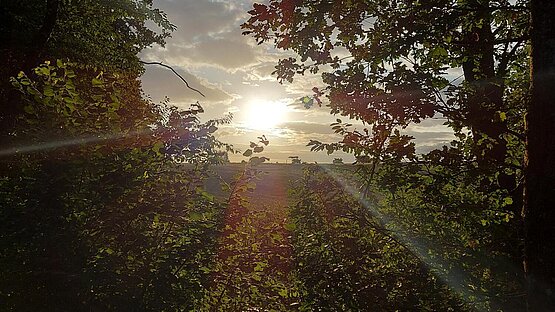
[(393, 70)]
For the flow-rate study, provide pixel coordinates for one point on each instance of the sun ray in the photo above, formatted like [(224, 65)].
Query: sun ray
[(78, 141), (452, 274)]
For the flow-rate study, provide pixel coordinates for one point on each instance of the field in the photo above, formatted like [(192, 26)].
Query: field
[(255, 266), (300, 240), (271, 186)]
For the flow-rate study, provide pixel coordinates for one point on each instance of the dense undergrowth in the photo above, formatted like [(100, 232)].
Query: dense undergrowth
[(391, 251), (347, 261)]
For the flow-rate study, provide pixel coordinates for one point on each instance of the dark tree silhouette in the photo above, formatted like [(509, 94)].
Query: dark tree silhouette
[(539, 203)]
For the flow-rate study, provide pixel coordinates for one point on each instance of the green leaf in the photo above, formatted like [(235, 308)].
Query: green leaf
[(195, 216), (43, 71), (29, 109), (307, 101), (439, 52), (157, 146), (507, 201), (260, 266), (97, 82), (290, 226), (48, 91)]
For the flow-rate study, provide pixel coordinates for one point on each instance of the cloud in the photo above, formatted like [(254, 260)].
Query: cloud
[(261, 71), (195, 19), (308, 127), (430, 134), (208, 35), (229, 52)]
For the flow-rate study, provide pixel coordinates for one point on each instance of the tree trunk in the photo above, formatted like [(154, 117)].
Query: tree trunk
[(486, 98), (539, 193)]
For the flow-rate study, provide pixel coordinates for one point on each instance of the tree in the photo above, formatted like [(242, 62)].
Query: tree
[(393, 73), (106, 34), (385, 64), (539, 214), (96, 212)]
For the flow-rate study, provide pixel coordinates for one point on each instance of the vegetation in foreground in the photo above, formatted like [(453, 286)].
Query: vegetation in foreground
[(98, 212)]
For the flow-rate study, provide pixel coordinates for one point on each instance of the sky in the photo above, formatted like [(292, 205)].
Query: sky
[(234, 73)]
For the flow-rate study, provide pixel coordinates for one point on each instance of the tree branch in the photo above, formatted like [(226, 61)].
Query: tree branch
[(175, 72)]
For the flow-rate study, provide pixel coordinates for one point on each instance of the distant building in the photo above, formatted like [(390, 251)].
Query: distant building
[(338, 161)]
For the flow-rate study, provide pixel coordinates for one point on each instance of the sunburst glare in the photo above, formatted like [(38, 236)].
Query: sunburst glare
[(265, 115)]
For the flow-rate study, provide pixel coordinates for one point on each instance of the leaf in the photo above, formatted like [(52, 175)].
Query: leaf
[(48, 91), (247, 153), (507, 201), (195, 216), (157, 146), (258, 149), (97, 82), (43, 71), (290, 226), (439, 52), (212, 129), (260, 266), (307, 101), (29, 109)]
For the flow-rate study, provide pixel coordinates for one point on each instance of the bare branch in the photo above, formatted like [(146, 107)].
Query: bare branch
[(175, 72)]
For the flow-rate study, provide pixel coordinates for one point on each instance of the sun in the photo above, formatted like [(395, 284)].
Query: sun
[(265, 115)]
